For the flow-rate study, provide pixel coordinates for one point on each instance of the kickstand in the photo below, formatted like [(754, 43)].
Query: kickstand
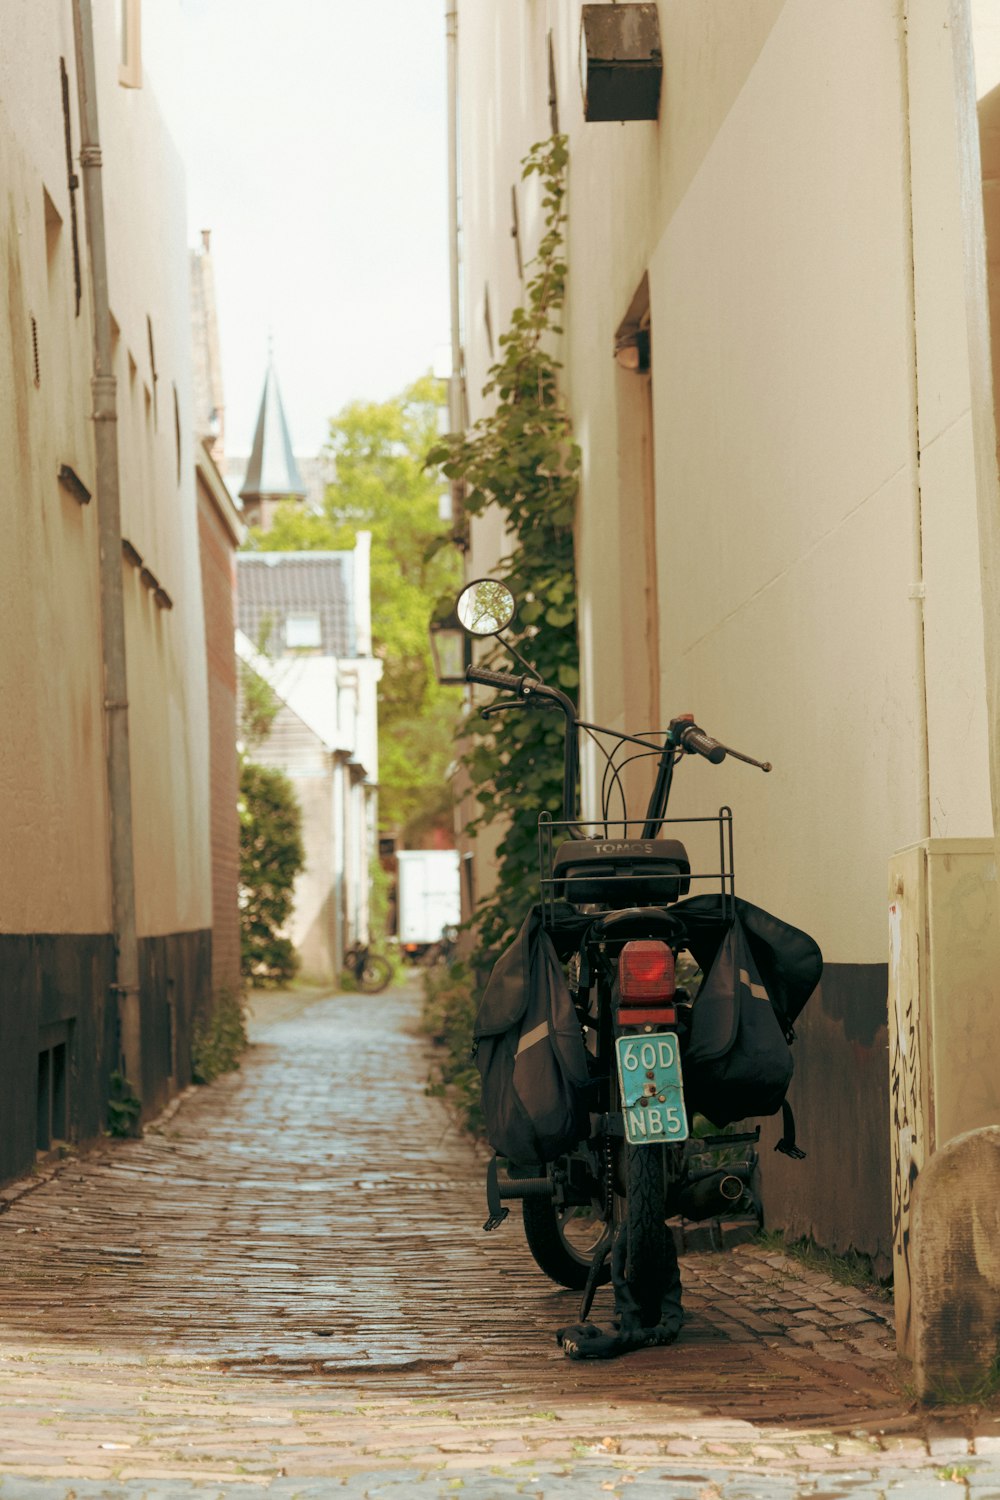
[(596, 1266)]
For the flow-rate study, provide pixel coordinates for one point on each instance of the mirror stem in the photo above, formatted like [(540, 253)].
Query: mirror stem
[(532, 671)]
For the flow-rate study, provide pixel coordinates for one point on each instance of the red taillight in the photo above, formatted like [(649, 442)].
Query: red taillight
[(646, 971)]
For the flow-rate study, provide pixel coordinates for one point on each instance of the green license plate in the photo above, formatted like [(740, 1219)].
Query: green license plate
[(652, 1090)]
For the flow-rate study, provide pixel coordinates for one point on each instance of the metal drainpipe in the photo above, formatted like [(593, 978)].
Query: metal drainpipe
[(456, 413), (103, 387)]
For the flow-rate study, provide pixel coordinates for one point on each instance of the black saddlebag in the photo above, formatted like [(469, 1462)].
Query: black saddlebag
[(530, 1053), (759, 972)]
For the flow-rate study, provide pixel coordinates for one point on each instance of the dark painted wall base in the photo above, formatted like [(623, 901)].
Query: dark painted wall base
[(59, 1033), (840, 1195)]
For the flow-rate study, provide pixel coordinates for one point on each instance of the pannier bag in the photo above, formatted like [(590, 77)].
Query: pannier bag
[(738, 1062), (530, 1053)]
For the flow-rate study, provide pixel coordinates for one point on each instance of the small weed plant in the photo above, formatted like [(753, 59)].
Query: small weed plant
[(968, 1393), (219, 1039), (853, 1269), (449, 1012), (124, 1107)]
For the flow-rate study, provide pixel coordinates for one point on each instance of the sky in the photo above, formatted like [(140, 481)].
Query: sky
[(315, 144)]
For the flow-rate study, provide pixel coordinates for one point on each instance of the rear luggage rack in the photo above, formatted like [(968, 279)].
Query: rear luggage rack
[(609, 863)]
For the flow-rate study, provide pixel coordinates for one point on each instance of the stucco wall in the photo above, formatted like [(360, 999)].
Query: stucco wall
[(56, 944), (797, 211), (53, 876), (51, 757)]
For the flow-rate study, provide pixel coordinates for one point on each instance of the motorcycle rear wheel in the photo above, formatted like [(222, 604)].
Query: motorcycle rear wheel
[(562, 1241), (648, 1270)]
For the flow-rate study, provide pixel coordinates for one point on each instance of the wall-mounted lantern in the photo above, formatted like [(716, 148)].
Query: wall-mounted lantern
[(621, 64), (451, 648), (633, 351)]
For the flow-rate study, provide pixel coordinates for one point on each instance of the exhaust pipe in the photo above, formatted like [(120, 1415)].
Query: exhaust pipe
[(710, 1195)]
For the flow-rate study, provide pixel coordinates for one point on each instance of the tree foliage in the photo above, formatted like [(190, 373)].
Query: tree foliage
[(381, 485), (522, 457), (271, 855)]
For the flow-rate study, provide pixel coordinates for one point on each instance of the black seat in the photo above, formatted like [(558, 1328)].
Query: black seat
[(621, 872)]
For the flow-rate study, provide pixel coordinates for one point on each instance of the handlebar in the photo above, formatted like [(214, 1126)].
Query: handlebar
[(508, 680), (527, 687), (684, 734), (697, 742)]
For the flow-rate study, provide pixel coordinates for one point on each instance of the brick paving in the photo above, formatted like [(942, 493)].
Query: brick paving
[(285, 1287)]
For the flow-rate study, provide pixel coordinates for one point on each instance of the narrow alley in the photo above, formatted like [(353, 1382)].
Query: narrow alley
[(284, 1288)]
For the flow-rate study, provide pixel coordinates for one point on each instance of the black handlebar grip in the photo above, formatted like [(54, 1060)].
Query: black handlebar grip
[(703, 744), (506, 680)]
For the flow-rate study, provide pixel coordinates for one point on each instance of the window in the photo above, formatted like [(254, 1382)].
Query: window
[(488, 320), (515, 232), (130, 44), (53, 233), (553, 91), (303, 633), (152, 368), (53, 1113)]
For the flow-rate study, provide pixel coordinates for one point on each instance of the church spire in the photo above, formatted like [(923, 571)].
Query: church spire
[(272, 474)]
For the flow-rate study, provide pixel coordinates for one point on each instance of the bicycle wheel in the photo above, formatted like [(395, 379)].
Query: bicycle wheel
[(651, 1259), (562, 1238), (375, 975)]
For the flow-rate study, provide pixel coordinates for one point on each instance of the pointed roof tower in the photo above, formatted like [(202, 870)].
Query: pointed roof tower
[(272, 473)]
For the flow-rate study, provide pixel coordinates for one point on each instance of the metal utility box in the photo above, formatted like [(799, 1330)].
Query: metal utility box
[(944, 1018), (621, 65)]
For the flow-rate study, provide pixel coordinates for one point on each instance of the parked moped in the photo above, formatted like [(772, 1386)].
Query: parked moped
[(596, 1065)]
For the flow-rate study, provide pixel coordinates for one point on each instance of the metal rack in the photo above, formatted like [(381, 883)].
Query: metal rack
[(552, 834)]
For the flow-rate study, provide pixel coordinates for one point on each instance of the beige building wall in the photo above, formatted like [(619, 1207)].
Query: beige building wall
[(59, 1016), (779, 527), (150, 301), (54, 876), (817, 583), (51, 756)]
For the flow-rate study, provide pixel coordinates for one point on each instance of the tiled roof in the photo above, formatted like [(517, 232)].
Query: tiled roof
[(270, 586)]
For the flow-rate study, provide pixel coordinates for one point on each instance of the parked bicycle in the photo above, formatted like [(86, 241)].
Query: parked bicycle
[(370, 971), (594, 1063)]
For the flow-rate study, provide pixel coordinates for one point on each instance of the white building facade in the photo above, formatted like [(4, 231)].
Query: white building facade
[(310, 612)]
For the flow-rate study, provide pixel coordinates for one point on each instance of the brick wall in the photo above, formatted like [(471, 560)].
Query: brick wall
[(218, 588)]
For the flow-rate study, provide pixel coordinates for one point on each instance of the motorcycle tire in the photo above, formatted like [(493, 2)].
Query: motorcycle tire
[(647, 1268), (375, 975), (562, 1242)]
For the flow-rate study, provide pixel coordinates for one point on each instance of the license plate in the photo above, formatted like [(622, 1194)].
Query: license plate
[(649, 1072)]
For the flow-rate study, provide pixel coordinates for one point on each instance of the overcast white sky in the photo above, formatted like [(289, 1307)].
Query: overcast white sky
[(314, 138)]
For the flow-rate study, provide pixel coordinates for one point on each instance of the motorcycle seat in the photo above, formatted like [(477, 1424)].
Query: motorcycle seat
[(621, 872)]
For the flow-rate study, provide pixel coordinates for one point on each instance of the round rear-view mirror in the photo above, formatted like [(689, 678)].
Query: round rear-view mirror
[(485, 607)]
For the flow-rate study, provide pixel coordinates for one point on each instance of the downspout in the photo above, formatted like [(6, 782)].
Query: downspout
[(456, 404), (917, 588), (105, 414)]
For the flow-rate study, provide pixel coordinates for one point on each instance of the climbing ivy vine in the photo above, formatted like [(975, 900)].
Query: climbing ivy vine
[(522, 458)]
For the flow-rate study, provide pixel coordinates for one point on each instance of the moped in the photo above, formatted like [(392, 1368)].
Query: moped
[(662, 1068)]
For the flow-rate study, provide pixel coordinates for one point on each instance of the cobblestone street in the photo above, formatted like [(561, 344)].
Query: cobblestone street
[(285, 1289)]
